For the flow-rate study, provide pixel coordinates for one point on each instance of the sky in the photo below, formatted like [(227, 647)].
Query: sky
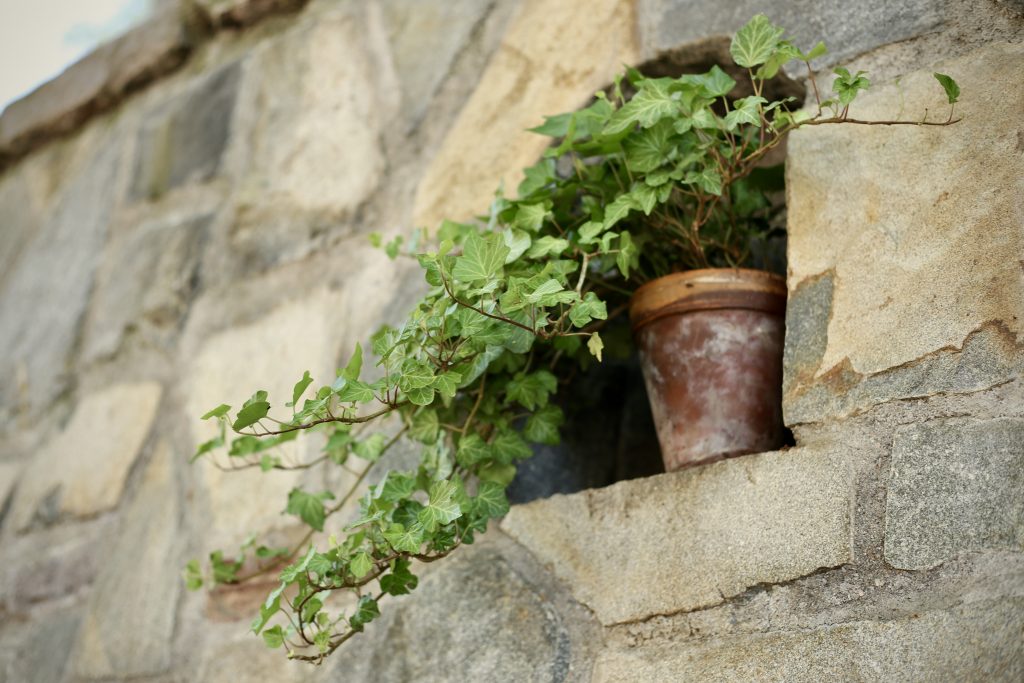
[(40, 38)]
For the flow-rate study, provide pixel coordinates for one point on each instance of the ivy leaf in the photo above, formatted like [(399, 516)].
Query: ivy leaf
[(508, 446), (517, 242), (320, 564), (707, 179), (415, 375), (716, 83), (595, 345), (400, 580), (547, 246), (425, 426), (219, 411), (755, 42), (300, 388), (254, 410), (370, 448), (649, 149), (308, 507), (590, 230), (422, 396), (950, 86), (481, 258), (847, 86), (273, 637), (746, 110), (472, 449), (354, 391), (193, 575), (590, 308), (499, 473), (395, 487), (531, 391), (490, 500), (530, 217), (628, 256), (366, 611), (360, 565), (542, 173), (652, 104), (618, 209), (447, 383), (441, 507), (542, 426), (355, 364), (405, 539)]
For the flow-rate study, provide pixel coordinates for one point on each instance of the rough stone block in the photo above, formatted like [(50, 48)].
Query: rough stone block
[(44, 294), (145, 283), (82, 471), (51, 564), (552, 58), (426, 38), (37, 650), (230, 366), (954, 486), (318, 99), (237, 13), (128, 623), (917, 230), (476, 616), (183, 140), (846, 30), (975, 642), (693, 539)]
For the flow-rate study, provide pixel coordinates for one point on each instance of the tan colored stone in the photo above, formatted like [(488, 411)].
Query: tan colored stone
[(231, 13), (693, 539), (553, 57), (129, 621), (8, 475), (270, 354), (82, 471), (917, 229), (320, 98)]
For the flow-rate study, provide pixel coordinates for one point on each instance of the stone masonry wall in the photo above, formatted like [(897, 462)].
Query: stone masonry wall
[(184, 213)]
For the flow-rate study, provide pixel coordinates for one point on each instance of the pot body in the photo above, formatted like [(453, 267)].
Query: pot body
[(710, 343)]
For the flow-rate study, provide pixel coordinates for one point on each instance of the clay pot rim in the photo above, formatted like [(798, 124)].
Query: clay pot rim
[(707, 289)]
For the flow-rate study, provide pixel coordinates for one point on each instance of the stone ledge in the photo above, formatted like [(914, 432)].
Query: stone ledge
[(114, 70), (692, 539)]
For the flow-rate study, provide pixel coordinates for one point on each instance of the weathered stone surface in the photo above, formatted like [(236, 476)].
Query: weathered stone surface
[(477, 616), (9, 472), (45, 293), (228, 367), (692, 539), (51, 564), (954, 485), (129, 620), (248, 659), (919, 232), (426, 38), (95, 82), (21, 215), (236, 13), (145, 282), (82, 470), (184, 139), (665, 24), (315, 104), (980, 641), (38, 650), (553, 57)]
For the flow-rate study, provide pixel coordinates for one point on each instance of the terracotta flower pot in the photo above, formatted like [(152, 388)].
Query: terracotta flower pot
[(710, 344)]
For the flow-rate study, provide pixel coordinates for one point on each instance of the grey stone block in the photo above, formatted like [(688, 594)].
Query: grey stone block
[(975, 642), (183, 140), (692, 539), (847, 29), (954, 486)]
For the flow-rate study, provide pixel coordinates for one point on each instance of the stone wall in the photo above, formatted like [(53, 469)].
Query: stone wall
[(184, 213)]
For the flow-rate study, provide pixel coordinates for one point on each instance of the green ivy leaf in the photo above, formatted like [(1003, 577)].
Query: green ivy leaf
[(847, 85), (422, 396), (300, 388), (481, 258), (628, 256), (366, 611), (490, 500), (308, 507), (360, 565), (595, 345), (499, 473), (441, 507), (399, 581), (193, 575), (755, 42), (354, 391), (530, 217), (355, 364), (405, 539), (650, 148), (716, 83), (533, 390), (253, 410), (542, 426), (219, 411), (746, 111), (517, 242), (472, 450), (547, 246), (424, 426), (588, 309), (370, 448), (509, 446), (950, 86), (652, 104), (273, 637)]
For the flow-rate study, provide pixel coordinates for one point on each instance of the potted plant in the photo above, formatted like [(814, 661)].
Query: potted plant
[(639, 186)]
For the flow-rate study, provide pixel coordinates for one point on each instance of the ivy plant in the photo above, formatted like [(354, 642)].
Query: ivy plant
[(657, 175)]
